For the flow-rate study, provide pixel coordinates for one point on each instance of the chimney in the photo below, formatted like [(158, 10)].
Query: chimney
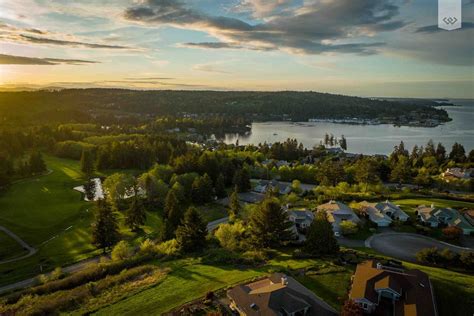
[(284, 280), (379, 266)]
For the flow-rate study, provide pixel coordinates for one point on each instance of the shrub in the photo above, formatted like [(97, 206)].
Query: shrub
[(168, 248), (121, 251), (467, 259), (428, 255), (147, 247), (348, 227), (452, 233)]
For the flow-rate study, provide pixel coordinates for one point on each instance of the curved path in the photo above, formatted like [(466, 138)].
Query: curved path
[(31, 250), (404, 246)]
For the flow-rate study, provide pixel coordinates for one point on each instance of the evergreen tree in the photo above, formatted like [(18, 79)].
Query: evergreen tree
[(234, 205), (87, 163), (366, 171), (36, 163), (220, 186), (89, 190), (172, 215), (320, 238), (242, 180), (105, 232), (471, 156), (440, 153), (135, 215), (343, 142), (191, 234), (430, 148), (269, 224), (458, 153), (401, 172)]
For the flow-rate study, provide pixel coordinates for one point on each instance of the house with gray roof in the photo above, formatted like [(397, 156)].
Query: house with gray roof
[(264, 186), (434, 216), (337, 212), (383, 213)]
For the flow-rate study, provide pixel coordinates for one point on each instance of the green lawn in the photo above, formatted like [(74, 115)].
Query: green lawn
[(39, 208), (332, 287), (48, 214), (212, 211), (9, 248)]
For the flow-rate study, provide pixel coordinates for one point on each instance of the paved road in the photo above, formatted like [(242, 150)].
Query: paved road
[(404, 246), (213, 225), (31, 250)]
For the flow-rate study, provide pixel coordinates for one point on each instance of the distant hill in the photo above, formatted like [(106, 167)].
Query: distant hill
[(79, 104)]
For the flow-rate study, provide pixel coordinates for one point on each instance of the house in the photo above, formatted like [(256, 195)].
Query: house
[(265, 185), (457, 173), (301, 218), (338, 212), (379, 289), (383, 213), (434, 216), (277, 295)]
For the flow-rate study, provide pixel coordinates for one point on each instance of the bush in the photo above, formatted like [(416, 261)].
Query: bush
[(467, 259), (452, 233), (147, 247), (168, 248), (121, 251), (348, 227)]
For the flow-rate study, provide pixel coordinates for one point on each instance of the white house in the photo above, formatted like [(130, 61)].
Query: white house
[(301, 218), (383, 213)]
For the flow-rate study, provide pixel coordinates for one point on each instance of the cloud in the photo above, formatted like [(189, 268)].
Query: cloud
[(36, 36), (212, 67), (211, 45), (22, 60), (314, 28), (50, 41)]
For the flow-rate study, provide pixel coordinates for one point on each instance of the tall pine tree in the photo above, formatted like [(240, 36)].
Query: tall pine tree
[(234, 205), (269, 225), (320, 238), (135, 215), (191, 234), (87, 162), (105, 232)]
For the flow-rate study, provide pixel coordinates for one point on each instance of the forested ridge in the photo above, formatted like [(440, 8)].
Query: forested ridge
[(82, 104)]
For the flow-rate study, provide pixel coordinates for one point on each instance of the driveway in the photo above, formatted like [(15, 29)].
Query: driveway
[(404, 246)]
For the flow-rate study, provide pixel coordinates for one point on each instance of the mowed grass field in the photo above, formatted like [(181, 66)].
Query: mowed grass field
[(9, 248), (49, 215)]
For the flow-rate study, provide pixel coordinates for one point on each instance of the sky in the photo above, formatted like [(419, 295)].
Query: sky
[(389, 48)]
